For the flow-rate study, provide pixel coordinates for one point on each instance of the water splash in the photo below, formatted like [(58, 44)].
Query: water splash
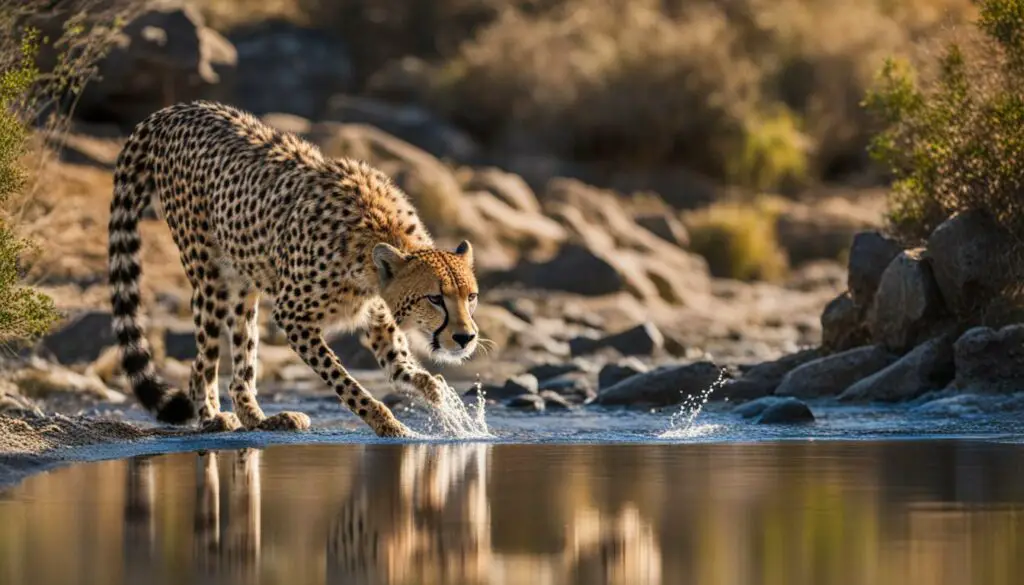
[(681, 424), (454, 419)]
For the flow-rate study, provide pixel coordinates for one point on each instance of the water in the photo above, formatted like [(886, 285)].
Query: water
[(937, 512)]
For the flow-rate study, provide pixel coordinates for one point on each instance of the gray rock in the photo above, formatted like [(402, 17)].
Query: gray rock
[(786, 411), (554, 400), (179, 340), (870, 255), (525, 309), (351, 352), (990, 361), (830, 375), (762, 379), (575, 388), (661, 387), (81, 339), (614, 373), (755, 407), (563, 272), (643, 339), (908, 307), (927, 367), (287, 68), (532, 402), (842, 325), (522, 384), (396, 401), (165, 55), (409, 122), (968, 256), (546, 371), (666, 227)]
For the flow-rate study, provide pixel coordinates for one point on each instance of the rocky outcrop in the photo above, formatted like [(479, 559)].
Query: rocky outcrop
[(907, 306), (164, 55), (968, 255), (615, 372), (830, 375), (990, 360), (927, 367), (664, 386), (81, 338)]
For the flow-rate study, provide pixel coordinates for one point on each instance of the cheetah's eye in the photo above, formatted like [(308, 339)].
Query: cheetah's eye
[(472, 297), (435, 300)]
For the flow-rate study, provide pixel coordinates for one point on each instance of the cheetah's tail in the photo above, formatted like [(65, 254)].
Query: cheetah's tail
[(132, 188)]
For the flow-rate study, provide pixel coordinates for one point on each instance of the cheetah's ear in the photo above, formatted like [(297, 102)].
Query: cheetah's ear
[(466, 251), (388, 260)]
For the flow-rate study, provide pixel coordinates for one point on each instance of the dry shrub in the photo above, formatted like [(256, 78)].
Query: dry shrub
[(739, 239)]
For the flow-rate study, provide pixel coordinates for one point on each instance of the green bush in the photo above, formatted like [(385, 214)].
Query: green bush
[(953, 136), (739, 239), (24, 312)]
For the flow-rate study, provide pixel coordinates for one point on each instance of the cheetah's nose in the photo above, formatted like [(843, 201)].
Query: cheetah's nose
[(463, 339)]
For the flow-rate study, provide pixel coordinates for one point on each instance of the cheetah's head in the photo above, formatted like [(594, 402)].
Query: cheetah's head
[(434, 291)]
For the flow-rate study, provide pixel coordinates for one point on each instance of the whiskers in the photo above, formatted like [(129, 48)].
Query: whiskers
[(486, 346)]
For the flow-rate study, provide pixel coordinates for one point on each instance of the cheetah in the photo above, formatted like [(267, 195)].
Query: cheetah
[(333, 242)]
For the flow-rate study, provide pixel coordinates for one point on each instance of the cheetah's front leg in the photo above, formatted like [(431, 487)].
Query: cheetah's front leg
[(391, 348), (307, 340)]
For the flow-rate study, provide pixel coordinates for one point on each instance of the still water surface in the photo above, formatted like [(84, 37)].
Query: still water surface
[(902, 512)]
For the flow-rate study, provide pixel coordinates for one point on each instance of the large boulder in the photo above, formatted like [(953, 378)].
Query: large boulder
[(775, 410), (511, 189), (842, 325), (927, 367), (762, 379), (164, 55), (574, 268), (80, 338), (520, 231), (989, 360), (830, 375), (968, 254), (870, 255), (661, 387), (284, 67), (907, 307)]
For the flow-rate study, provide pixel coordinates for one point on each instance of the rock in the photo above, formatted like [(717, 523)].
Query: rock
[(283, 67), (520, 231), (44, 381), (644, 339), (510, 189), (830, 375), (664, 386), (989, 361), (564, 272), (907, 307), (408, 122), (870, 255), (757, 406), (179, 340), (968, 257), (351, 352), (822, 227), (762, 379), (612, 374), (82, 338), (532, 402), (666, 227), (842, 325), (927, 367), (547, 371), (970, 405), (575, 388), (785, 411), (525, 309), (164, 56), (396, 401), (554, 400), (521, 384)]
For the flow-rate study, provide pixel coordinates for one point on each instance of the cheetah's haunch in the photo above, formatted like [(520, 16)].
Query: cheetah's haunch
[(332, 241)]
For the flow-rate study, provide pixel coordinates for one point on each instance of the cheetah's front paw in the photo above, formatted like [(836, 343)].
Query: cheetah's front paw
[(285, 421), (432, 387), (393, 429)]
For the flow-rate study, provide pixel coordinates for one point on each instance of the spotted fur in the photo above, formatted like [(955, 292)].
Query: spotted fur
[(257, 211)]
